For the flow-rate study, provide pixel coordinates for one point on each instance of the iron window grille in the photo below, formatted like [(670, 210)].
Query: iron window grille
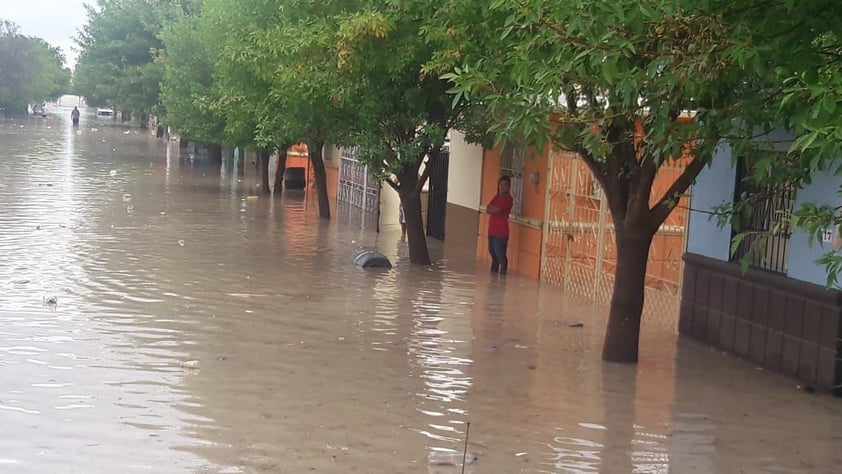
[(512, 161), (766, 223)]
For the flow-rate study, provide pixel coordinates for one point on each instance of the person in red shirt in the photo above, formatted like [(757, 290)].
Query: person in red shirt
[(498, 226)]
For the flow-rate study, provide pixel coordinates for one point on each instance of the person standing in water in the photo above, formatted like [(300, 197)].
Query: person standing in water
[(74, 116), (402, 220), (498, 226)]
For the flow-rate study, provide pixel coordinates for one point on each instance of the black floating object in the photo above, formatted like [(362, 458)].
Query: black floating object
[(575, 325), (372, 259)]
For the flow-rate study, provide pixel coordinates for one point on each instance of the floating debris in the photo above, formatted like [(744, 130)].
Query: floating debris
[(112, 173), (576, 325), (181, 243), (450, 458), (51, 301), (190, 364)]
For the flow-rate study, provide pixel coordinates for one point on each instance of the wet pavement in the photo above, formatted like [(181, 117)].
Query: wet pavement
[(307, 364)]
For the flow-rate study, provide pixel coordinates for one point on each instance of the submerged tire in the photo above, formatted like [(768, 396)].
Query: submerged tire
[(372, 259)]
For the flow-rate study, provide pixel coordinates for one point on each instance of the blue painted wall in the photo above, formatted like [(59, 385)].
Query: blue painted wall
[(824, 190), (714, 186)]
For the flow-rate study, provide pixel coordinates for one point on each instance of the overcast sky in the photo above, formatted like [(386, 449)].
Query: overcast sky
[(54, 20)]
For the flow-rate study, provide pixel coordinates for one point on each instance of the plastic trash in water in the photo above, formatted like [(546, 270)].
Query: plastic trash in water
[(127, 197), (450, 458), (190, 364), (113, 173), (181, 243)]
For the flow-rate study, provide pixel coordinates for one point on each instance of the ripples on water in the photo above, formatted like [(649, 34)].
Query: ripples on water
[(308, 363)]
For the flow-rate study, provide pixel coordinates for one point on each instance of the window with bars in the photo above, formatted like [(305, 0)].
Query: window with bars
[(512, 160), (769, 210)]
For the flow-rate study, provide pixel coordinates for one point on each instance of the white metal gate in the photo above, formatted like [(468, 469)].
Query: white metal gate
[(356, 187)]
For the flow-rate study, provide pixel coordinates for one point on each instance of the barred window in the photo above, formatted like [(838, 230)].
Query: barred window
[(512, 160), (769, 210)]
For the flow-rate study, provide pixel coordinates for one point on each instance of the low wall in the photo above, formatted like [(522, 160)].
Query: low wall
[(784, 325)]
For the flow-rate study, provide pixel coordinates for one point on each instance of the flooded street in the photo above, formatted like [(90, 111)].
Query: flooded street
[(308, 364)]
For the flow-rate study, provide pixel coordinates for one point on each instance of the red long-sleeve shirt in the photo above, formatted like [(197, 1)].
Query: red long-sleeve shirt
[(498, 222)]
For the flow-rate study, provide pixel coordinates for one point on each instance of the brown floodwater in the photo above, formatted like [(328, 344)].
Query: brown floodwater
[(307, 364)]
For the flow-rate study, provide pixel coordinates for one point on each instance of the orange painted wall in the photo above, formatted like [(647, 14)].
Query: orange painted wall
[(525, 232), (298, 157)]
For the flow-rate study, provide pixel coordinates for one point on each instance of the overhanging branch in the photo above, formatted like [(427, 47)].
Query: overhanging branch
[(662, 209)]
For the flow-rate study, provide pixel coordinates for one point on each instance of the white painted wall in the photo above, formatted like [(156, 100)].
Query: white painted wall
[(464, 180)]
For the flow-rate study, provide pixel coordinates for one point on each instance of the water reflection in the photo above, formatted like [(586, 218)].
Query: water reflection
[(307, 363)]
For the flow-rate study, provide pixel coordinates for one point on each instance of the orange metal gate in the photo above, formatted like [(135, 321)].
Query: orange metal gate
[(579, 252)]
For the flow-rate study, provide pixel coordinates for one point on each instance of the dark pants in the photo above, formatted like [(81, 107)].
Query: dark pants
[(497, 248)]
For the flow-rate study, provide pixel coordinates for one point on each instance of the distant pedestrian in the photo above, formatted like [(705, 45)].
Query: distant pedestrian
[(74, 116), (498, 226), (402, 220)]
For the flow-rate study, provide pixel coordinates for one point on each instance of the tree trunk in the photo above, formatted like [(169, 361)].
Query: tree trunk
[(415, 237), (318, 162), (125, 116), (263, 162), (623, 332), (282, 166), (215, 154), (183, 142), (241, 161), (144, 121)]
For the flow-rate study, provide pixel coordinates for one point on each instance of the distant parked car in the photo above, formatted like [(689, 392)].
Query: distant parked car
[(105, 112)]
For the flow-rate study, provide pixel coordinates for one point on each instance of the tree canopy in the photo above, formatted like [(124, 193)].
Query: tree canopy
[(118, 46), (31, 70), (611, 81)]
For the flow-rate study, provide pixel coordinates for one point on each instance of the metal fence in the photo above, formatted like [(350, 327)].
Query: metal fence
[(579, 251), (356, 187)]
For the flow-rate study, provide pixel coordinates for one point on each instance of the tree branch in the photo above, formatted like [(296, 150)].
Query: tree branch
[(662, 209), (419, 186)]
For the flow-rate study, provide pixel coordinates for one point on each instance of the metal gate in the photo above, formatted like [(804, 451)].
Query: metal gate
[(437, 197), (579, 250), (356, 187)]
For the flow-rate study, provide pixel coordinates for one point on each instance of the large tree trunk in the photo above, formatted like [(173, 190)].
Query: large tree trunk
[(282, 166), (410, 194), (215, 154), (241, 161), (623, 332), (263, 164), (318, 163), (144, 121), (415, 236)]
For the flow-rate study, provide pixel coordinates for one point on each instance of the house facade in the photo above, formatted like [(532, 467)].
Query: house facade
[(779, 314)]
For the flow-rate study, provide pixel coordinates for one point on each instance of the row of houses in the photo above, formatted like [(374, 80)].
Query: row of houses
[(779, 314)]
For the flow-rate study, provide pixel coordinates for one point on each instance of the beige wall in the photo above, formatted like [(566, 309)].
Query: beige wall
[(390, 208), (465, 173)]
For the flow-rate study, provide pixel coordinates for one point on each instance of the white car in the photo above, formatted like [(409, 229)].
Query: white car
[(105, 112)]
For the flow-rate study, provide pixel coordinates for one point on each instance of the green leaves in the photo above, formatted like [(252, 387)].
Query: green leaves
[(117, 46), (32, 70)]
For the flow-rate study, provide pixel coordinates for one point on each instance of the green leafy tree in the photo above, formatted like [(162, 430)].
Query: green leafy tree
[(118, 46), (30, 70), (403, 111), (243, 94), (188, 88), (611, 80), (295, 54)]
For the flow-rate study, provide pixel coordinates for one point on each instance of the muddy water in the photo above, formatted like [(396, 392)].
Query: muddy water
[(309, 365)]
